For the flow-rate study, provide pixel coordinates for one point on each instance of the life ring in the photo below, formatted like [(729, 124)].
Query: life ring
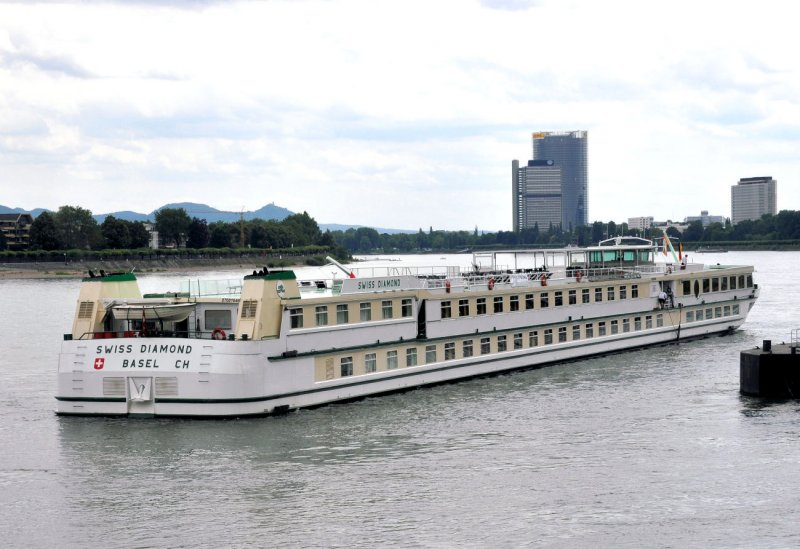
[(218, 334), (447, 286), (578, 276), (491, 283)]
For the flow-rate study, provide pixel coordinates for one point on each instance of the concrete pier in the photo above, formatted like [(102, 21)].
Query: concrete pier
[(772, 371)]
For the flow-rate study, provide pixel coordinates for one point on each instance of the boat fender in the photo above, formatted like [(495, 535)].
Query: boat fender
[(491, 283), (218, 334), (578, 276), (447, 286)]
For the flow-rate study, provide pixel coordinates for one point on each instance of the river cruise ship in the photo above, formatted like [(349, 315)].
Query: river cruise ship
[(271, 343)]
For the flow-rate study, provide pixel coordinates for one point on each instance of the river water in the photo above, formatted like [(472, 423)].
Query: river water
[(649, 448)]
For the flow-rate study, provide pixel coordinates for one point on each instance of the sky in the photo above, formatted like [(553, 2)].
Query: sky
[(400, 115)]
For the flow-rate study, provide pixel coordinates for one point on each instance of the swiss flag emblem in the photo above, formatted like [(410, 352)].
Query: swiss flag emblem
[(99, 363)]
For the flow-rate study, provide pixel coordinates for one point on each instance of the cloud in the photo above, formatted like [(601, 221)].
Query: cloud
[(510, 5)]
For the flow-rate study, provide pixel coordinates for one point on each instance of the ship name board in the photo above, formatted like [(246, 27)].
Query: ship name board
[(379, 284), (149, 362)]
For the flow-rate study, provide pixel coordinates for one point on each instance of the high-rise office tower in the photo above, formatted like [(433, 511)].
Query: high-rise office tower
[(536, 190), (753, 197), (568, 150)]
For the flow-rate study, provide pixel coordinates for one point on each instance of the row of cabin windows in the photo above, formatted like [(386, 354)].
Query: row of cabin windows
[(501, 343), (718, 284), (387, 311), (528, 301), (712, 312)]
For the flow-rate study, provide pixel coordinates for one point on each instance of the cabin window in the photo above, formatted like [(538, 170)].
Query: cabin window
[(405, 308), (486, 346), (629, 255), (573, 297), (346, 366), (699, 314), (610, 293), (648, 322), (528, 302), (498, 304), (706, 286), (735, 309), (749, 281), (585, 295), (449, 350), (533, 339), (687, 287), (411, 356), (623, 292), (249, 308), (342, 315), (634, 291), (741, 281), (370, 362), (365, 310), (717, 312), (518, 341), (463, 307), (217, 319), (446, 310), (502, 343), (726, 311), (548, 336), (391, 360), (321, 314), (386, 309), (296, 317), (733, 283), (544, 300), (589, 330), (481, 305), (709, 314), (637, 323), (576, 332), (86, 309), (513, 303), (559, 299), (659, 321), (626, 325), (598, 295), (689, 316), (614, 327), (466, 348), (723, 283), (562, 334), (715, 284), (430, 354), (601, 329)]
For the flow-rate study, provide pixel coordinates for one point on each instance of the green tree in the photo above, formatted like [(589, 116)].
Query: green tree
[(303, 229), (3, 241), (138, 234), (172, 225), (115, 232), (694, 232), (76, 227), (44, 233), (220, 235), (197, 235)]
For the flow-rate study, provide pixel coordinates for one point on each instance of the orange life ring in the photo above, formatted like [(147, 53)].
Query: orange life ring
[(218, 334), (578, 276), (447, 286), (491, 283)]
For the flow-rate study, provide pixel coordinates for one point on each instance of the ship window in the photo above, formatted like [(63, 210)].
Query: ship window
[(634, 291), (321, 313), (723, 283), (598, 295), (648, 322), (346, 366), (709, 314), (573, 297), (749, 281), (391, 360), (217, 319), (548, 336), (485, 346), (86, 309), (733, 283), (610, 293), (502, 343), (689, 316), (544, 300), (405, 308), (585, 295), (562, 334), (623, 292), (576, 332), (559, 298), (589, 330), (463, 307), (467, 348), (715, 284), (296, 317), (687, 287), (430, 354), (741, 281), (629, 255), (386, 308), (498, 304), (370, 363), (518, 341), (411, 356), (513, 303), (637, 323), (446, 310), (366, 312), (727, 310), (659, 321), (626, 325), (601, 329), (614, 326), (481, 305), (528, 301), (706, 286), (699, 314), (735, 309), (249, 308), (342, 315), (533, 339), (717, 312), (449, 350)]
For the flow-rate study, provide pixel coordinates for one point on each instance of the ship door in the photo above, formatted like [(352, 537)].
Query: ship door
[(422, 331)]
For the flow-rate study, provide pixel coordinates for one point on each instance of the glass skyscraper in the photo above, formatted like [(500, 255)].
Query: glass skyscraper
[(567, 150)]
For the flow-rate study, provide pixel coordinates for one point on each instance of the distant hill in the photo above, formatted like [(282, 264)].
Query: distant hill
[(34, 213), (339, 227)]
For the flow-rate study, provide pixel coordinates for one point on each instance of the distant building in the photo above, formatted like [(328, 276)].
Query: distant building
[(705, 219), (537, 195), (568, 151), (640, 223), (664, 225), (16, 228), (753, 197)]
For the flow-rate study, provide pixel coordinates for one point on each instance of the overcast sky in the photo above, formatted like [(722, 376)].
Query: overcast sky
[(394, 114)]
